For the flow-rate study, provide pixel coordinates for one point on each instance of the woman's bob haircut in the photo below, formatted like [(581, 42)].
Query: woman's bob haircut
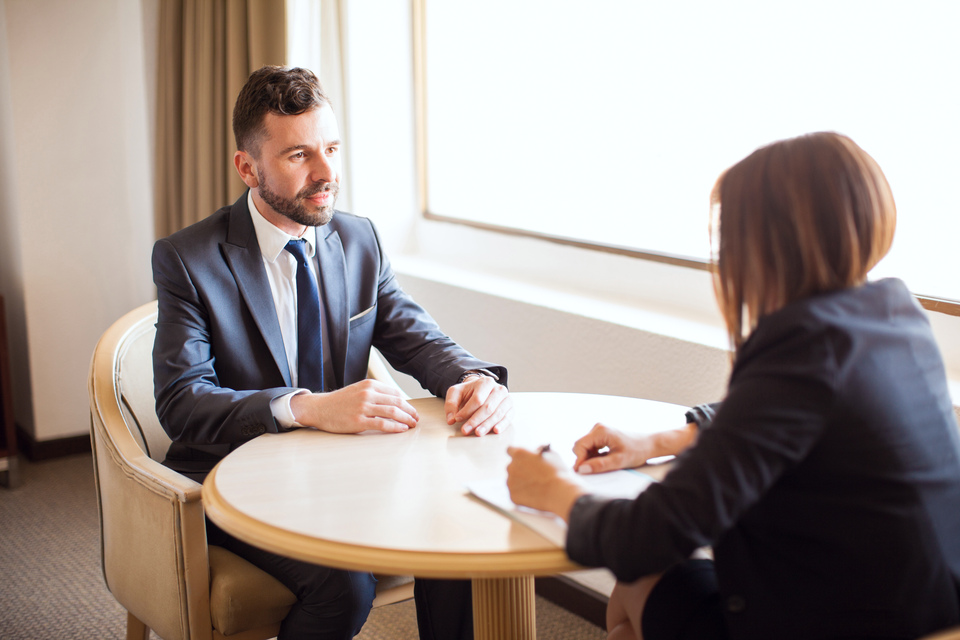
[(796, 218)]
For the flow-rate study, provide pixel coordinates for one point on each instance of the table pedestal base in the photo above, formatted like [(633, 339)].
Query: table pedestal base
[(504, 608)]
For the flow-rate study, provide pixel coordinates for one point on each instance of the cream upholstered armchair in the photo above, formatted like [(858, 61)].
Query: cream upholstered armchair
[(154, 551)]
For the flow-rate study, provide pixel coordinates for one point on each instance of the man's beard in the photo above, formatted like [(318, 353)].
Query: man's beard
[(296, 207)]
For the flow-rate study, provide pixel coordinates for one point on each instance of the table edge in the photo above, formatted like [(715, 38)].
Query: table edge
[(341, 555)]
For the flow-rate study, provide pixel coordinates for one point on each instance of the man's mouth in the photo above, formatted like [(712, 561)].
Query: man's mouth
[(323, 196)]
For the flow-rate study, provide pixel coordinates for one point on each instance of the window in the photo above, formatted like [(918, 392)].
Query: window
[(607, 122)]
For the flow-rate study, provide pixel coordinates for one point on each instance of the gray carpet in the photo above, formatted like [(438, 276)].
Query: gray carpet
[(50, 581)]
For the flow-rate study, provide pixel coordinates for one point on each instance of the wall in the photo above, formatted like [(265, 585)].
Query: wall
[(76, 211)]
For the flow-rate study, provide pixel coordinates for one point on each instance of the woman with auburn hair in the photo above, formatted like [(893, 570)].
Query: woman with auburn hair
[(827, 482)]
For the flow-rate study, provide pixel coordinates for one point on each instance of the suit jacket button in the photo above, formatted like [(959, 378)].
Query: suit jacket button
[(736, 604)]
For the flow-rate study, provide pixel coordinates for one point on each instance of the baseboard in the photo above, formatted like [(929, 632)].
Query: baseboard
[(38, 450), (575, 598)]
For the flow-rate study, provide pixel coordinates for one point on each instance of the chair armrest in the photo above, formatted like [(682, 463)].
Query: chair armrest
[(167, 481), (127, 455)]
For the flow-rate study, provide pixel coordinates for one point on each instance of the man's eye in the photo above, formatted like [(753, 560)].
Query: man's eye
[(299, 155), (332, 150)]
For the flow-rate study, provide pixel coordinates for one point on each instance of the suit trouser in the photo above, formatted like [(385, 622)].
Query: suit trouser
[(333, 604)]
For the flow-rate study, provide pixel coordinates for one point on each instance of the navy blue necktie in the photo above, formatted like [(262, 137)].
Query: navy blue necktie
[(309, 327)]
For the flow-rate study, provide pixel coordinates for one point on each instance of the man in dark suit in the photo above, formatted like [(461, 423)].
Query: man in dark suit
[(234, 357)]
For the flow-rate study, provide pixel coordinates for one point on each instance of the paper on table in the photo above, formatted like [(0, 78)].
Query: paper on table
[(625, 483)]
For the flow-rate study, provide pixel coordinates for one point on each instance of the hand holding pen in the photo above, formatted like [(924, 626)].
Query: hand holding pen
[(540, 480)]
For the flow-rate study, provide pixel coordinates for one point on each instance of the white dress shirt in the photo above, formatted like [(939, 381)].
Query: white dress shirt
[(281, 267)]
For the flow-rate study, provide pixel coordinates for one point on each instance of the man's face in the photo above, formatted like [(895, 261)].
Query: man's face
[(298, 170)]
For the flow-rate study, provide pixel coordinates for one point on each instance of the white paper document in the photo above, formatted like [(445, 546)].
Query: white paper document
[(625, 483)]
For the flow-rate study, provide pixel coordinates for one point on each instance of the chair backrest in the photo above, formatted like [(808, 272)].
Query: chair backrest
[(134, 384)]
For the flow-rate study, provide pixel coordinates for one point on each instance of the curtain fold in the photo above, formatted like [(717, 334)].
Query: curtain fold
[(206, 51)]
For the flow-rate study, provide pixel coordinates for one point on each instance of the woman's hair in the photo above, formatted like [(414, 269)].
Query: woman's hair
[(796, 218)]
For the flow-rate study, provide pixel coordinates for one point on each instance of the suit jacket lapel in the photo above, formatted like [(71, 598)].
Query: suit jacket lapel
[(332, 270), (242, 253)]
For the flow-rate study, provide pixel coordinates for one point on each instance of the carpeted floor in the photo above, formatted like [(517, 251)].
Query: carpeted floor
[(50, 581)]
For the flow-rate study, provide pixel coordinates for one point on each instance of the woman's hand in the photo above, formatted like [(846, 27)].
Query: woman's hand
[(606, 449), (539, 480)]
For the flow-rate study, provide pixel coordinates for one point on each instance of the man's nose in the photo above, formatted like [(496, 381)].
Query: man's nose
[(323, 170)]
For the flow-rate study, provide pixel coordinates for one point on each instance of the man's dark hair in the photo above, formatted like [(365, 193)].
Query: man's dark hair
[(278, 90)]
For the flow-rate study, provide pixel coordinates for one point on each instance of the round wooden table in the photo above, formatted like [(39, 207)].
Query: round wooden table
[(397, 504)]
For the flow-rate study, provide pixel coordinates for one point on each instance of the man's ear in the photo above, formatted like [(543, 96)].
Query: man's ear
[(247, 168)]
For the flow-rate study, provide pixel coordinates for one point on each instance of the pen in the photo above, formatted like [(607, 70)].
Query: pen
[(544, 449)]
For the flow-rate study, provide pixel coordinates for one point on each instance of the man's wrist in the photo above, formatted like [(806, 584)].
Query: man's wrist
[(282, 410)]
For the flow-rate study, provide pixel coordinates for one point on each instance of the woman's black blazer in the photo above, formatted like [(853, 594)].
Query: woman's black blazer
[(828, 482)]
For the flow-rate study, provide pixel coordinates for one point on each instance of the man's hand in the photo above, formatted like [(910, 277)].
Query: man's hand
[(606, 449), (541, 481), (367, 405), (484, 403)]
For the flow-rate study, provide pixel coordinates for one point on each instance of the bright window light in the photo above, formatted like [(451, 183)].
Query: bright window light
[(303, 34), (609, 121)]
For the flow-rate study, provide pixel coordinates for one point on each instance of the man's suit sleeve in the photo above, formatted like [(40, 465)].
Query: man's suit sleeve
[(193, 406), (412, 342)]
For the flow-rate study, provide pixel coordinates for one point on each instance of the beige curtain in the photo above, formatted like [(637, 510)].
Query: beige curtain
[(207, 50)]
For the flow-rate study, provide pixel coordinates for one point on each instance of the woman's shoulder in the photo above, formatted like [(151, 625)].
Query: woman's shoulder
[(830, 325), (884, 302)]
